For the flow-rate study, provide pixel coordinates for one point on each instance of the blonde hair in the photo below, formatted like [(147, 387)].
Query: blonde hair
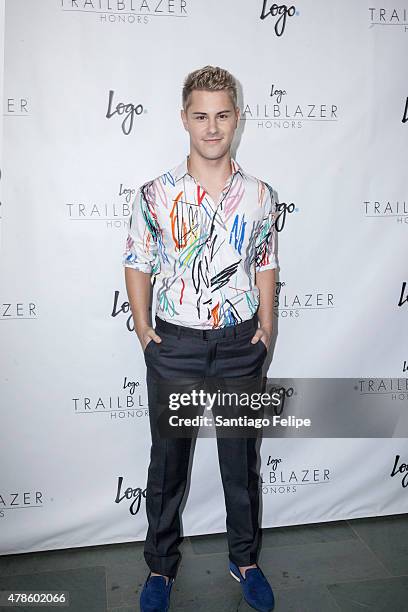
[(210, 78)]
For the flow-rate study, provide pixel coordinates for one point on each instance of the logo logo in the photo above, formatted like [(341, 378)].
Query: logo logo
[(124, 308), (20, 499), (291, 304), (400, 468), (285, 111), (404, 295), (127, 11), (18, 310), (130, 494), (405, 114), (17, 107), (130, 111), (381, 210), (114, 215), (130, 405), (281, 480), (397, 388), (279, 12), (388, 17)]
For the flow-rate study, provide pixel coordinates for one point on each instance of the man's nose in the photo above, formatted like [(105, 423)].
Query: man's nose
[(212, 125)]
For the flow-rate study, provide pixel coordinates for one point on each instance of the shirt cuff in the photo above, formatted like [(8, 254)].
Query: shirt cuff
[(269, 266), (138, 266)]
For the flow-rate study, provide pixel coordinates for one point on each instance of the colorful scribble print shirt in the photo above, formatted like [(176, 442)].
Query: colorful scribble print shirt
[(203, 255)]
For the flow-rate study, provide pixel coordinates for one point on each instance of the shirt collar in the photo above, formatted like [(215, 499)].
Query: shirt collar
[(181, 170)]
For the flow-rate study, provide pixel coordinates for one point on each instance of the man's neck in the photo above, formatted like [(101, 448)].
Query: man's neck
[(209, 171)]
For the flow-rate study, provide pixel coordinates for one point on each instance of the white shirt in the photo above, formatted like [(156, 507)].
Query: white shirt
[(202, 254)]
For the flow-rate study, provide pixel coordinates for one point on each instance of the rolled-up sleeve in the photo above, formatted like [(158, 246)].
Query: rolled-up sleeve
[(265, 246), (140, 251)]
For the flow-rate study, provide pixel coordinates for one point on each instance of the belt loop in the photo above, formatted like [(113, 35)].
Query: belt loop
[(235, 331), (178, 332), (223, 332)]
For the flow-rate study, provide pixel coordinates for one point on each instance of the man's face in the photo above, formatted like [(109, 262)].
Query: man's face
[(211, 121)]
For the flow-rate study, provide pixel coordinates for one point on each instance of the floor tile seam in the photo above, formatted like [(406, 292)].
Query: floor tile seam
[(387, 571)]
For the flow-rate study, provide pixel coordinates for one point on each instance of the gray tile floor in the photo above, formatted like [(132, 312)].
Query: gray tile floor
[(354, 565)]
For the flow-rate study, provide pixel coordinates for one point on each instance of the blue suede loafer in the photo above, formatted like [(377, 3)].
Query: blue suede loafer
[(155, 595), (257, 590)]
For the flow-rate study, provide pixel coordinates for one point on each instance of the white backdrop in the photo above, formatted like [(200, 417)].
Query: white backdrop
[(75, 440)]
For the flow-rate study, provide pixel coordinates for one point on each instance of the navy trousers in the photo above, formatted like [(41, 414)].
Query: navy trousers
[(199, 354)]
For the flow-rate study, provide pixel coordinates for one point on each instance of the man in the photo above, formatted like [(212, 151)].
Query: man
[(205, 231)]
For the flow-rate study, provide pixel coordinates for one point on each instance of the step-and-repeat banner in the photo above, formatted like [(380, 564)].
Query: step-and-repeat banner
[(91, 110)]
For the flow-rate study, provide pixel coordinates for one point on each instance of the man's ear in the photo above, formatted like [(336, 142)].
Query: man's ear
[(237, 114)]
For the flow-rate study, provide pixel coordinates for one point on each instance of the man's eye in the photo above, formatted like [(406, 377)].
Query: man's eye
[(200, 116), (223, 116)]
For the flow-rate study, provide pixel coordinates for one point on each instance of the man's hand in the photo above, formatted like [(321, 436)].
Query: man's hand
[(146, 335), (264, 335)]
